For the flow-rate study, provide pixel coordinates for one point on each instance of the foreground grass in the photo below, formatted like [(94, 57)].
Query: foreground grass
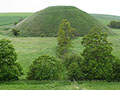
[(60, 85)]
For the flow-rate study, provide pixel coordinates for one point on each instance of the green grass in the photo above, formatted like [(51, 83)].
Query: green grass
[(46, 22), (10, 18), (28, 48), (7, 20), (60, 85)]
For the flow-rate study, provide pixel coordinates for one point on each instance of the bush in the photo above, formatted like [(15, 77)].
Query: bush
[(114, 24), (98, 58), (69, 59), (42, 35), (74, 72), (116, 68), (73, 66), (15, 23), (16, 32), (9, 68), (45, 68)]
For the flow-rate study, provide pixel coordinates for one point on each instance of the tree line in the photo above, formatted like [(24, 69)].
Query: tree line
[(96, 62), (114, 24)]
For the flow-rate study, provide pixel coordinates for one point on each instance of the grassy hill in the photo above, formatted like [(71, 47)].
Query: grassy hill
[(46, 22)]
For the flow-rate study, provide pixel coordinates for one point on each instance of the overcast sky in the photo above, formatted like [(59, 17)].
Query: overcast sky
[(91, 6)]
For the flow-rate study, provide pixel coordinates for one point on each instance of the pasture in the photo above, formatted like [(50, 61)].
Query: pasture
[(28, 48)]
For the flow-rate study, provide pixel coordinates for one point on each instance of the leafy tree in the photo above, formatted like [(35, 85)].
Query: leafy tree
[(69, 59), (73, 67), (65, 34), (98, 60), (45, 68), (116, 70), (15, 23), (114, 24), (9, 68), (16, 32)]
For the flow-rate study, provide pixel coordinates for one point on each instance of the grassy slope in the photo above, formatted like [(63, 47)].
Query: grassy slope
[(28, 48), (46, 22)]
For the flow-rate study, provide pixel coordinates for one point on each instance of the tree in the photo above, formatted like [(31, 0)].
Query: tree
[(9, 68), (114, 24), (73, 67), (15, 32), (98, 60), (65, 34), (45, 68)]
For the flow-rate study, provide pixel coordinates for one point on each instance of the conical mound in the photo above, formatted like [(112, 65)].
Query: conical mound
[(46, 22)]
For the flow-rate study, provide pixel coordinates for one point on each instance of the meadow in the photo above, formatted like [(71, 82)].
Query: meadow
[(10, 18), (29, 48)]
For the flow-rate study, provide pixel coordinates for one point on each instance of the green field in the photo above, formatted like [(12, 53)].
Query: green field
[(28, 48), (10, 18)]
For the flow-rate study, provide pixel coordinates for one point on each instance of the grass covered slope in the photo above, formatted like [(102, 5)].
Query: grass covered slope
[(46, 22)]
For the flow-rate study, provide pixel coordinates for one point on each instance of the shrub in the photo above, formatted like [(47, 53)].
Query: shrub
[(9, 68), (114, 24), (42, 35), (73, 66), (15, 23), (98, 58), (74, 72), (69, 59), (116, 72), (16, 32), (45, 68)]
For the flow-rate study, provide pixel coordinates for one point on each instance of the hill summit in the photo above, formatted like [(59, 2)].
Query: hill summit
[(46, 22)]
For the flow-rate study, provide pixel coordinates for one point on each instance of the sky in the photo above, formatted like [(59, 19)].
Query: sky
[(111, 7)]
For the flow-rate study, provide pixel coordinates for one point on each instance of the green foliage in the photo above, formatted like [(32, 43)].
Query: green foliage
[(73, 66), (116, 70), (114, 24), (15, 32), (69, 59), (45, 68), (65, 35), (9, 68), (74, 72), (98, 60), (47, 21), (15, 23)]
